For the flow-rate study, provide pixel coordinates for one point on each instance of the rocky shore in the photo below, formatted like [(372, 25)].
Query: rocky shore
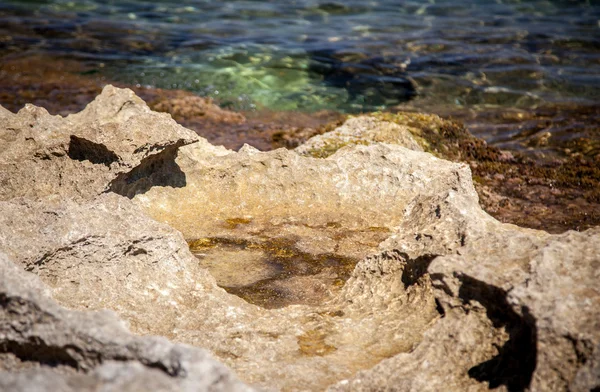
[(361, 260), (551, 183)]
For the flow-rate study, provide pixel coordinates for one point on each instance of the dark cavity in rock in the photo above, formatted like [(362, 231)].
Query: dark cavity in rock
[(415, 268), (84, 150)]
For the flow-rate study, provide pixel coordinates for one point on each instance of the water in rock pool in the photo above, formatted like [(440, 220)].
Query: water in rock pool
[(276, 274)]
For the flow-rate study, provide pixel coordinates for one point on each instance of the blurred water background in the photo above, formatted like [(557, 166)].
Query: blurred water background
[(446, 56)]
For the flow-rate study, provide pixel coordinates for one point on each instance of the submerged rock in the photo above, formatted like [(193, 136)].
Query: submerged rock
[(433, 293)]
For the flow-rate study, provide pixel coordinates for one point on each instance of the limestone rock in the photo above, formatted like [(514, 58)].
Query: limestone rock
[(360, 188), (105, 253), (403, 282), (521, 311), (4, 113), (36, 332), (358, 131), (115, 142), (109, 376)]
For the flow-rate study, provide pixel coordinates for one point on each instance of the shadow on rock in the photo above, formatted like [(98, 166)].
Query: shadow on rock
[(155, 170), (516, 361), (81, 149)]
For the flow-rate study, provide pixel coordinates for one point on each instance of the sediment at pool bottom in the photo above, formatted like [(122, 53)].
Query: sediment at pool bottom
[(272, 273)]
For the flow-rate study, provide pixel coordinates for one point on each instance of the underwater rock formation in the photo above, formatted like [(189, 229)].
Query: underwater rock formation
[(382, 270), (369, 82)]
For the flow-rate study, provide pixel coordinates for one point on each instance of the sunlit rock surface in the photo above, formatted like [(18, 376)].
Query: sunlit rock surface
[(46, 347), (89, 152), (372, 269), (358, 131)]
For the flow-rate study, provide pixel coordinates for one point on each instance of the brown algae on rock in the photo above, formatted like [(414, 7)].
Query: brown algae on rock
[(312, 343), (272, 273), (233, 223)]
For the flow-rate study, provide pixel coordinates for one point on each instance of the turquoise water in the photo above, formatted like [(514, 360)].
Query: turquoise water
[(343, 55)]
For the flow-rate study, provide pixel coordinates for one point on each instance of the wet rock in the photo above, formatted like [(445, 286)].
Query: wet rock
[(370, 82), (115, 142), (194, 107), (52, 348)]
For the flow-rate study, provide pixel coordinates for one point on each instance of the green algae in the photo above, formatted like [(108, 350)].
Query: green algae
[(331, 147), (443, 138)]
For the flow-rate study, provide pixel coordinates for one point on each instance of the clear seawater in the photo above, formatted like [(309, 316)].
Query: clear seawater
[(310, 55)]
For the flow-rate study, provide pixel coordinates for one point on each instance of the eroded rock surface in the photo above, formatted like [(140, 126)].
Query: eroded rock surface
[(37, 333), (117, 140), (359, 130), (520, 313), (105, 253), (432, 294), (321, 202)]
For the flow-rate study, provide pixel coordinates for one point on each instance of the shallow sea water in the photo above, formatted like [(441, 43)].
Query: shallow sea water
[(351, 56)]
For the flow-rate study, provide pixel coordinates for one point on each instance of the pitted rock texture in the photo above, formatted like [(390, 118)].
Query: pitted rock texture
[(443, 296), (35, 332), (358, 131), (105, 253), (116, 141), (517, 316), (328, 205), (546, 299)]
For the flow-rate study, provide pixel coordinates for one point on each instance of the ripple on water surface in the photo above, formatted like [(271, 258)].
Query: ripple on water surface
[(310, 55)]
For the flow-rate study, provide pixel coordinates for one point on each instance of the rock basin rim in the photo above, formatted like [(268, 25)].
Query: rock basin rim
[(442, 296)]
